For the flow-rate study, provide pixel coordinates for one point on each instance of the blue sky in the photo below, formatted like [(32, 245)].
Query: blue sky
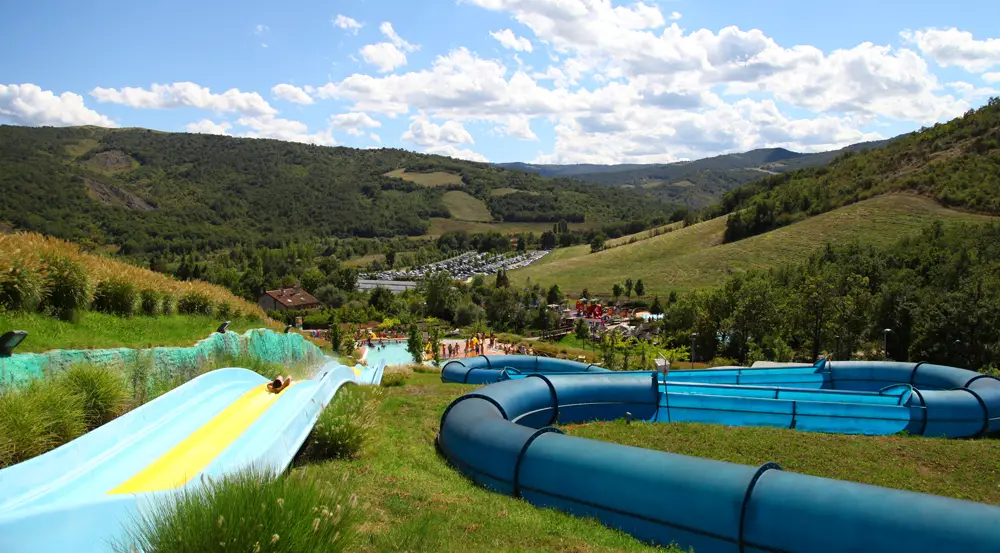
[(603, 82)]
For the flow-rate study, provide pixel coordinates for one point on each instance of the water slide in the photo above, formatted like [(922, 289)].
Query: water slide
[(78, 497), (502, 436)]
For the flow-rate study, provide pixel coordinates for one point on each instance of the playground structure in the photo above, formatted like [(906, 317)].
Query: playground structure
[(81, 495), (502, 437)]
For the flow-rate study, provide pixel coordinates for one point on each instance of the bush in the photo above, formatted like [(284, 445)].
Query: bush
[(117, 297), (37, 418), (393, 379), (68, 287), (252, 511), (102, 389), (195, 303), (345, 426), (150, 302), (168, 303), (21, 288), (225, 310)]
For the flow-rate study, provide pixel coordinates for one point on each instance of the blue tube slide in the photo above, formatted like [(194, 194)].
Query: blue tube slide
[(59, 501), (501, 437)]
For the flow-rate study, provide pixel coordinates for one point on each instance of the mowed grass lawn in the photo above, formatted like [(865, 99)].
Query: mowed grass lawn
[(413, 500), (466, 207), (99, 330), (435, 178), (694, 257)]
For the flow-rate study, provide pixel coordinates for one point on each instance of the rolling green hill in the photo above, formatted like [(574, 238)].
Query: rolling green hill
[(151, 192), (957, 163), (695, 257)]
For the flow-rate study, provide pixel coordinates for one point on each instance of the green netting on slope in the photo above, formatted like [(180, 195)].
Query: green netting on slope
[(259, 343)]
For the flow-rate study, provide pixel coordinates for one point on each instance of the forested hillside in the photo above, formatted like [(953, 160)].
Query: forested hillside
[(153, 192), (956, 163)]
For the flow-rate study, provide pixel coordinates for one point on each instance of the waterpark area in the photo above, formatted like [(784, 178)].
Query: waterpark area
[(543, 453)]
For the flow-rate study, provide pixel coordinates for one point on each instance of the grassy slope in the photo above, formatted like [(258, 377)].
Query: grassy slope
[(464, 207), (694, 257), (966, 469), (403, 484), (99, 330), (434, 178), (440, 226)]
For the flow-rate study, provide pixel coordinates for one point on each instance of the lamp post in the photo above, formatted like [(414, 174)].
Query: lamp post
[(885, 343), (693, 336), (836, 353)]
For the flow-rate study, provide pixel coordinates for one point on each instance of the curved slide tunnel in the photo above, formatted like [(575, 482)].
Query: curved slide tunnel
[(501, 437)]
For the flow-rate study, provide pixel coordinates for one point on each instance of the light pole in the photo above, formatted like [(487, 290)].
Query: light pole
[(693, 336), (836, 353), (885, 343)]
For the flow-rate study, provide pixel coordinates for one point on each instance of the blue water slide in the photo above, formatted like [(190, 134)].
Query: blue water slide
[(59, 501), (491, 368), (502, 437)]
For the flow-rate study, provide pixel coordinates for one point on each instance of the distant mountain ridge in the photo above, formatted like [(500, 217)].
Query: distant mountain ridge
[(696, 183)]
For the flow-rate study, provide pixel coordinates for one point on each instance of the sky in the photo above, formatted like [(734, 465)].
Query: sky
[(540, 81)]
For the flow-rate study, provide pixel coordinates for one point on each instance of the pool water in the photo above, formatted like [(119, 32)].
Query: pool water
[(392, 354)]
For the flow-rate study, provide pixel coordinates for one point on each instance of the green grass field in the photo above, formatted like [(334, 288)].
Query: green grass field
[(413, 500), (440, 226), (435, 178), (695, 257), (98, 330), (465, 207), (363, 260), (505, 191)]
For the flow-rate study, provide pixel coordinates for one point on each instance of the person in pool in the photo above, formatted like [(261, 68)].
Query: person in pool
[(279, 384)]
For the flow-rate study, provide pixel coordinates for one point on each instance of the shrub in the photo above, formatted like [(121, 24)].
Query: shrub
[(117, 297), (393, 379), (138, 378), (150, 302), (253, 511), (21, 288), (36, 418), (723, 362), (195, 303), (102, 389), (345, 426), (168, 303), (225, 310), (68, 287)]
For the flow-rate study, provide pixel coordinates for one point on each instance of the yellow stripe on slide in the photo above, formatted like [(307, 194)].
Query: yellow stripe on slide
[(182, 463)]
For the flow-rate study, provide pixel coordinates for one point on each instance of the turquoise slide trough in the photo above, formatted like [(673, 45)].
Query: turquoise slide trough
[(502, 436), (80, 497)]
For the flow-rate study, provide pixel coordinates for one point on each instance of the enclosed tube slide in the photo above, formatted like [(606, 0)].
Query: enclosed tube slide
[(79, 496), (501, 437)]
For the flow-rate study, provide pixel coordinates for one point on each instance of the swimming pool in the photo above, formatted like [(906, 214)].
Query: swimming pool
[(392, 354)]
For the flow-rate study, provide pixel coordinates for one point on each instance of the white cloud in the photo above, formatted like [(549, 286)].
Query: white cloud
[(992, 77), (395, 39), (971, 92), (268, 126), (28, 104), (383, 55), (520, 128), (425, 133), (207, 126), (186, 94), (348, 24), (375, 138), (674, 16), (353, 120), (459, 153), (509, 40), (951, 47), (261, 29), (291, 93)]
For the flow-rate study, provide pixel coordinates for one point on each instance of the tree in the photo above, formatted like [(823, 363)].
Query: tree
[(656, 308), (629, 286), (640, 288), (585, 294), (582, 330), (390, 258), (597, 244), (415, 343), (616, 291), (502, 280), (312, 279), (549, 240), (555, 295), (381, 299), (435, 340), (441, 298)]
